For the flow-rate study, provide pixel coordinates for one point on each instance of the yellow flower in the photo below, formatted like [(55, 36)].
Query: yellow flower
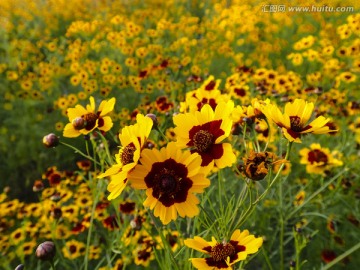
[(224, 254), (133, 139), (318, 160), (204, 131), (85, 120), (295, 118), (171, 178), (73, 249)]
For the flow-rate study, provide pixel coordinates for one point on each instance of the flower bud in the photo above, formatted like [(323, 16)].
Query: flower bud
[(51, 140), (78, 123), (38, 186), (46, 251), (20, 267), (154, 119)]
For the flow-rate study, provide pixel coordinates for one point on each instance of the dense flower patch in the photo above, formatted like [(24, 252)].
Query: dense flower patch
[(179, 135)]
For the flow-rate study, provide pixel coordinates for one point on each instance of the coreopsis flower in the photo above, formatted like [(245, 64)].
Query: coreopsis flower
[(318, 159), (257, 165), (223, 255), (84, 120), (73, 249), (170, 177), (204, 131), (133, 139), (294, 120)]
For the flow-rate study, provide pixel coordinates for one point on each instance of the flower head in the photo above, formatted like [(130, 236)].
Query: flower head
[(257, 165), (84, 120), (294, 120), (203, 131), (224, 254), (318, 159), (171, 178), (133, 139)]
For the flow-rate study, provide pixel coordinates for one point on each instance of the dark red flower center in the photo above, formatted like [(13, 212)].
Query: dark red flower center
[(295, 123), (317, 156), (90, 120), (169, 182), (72, 249), (127, 154), (222, 251), (203, 140)]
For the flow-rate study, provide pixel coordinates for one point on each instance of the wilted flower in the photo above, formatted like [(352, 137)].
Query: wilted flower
[(257, 165)]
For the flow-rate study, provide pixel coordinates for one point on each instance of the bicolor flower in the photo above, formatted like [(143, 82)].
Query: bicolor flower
[(318, 159), (294, 120), (223, 255), (204, 132), (85, 120), (170, 177), (133, 139)]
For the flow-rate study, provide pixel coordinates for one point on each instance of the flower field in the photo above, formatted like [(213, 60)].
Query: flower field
[(179, 135)]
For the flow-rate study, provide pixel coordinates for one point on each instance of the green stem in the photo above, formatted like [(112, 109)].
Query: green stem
[(162, 134), (281, 220), (163, 239), (106, 146), (81, 153), (244, 137), (316, 193), (52, 264), (262, 196), (88, 240)]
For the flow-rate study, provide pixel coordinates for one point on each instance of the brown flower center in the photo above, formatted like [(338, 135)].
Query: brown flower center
[(167, 183), (127, 155), (295, 123), (203, 140), (317, 156), (222, 251), (90, 120)]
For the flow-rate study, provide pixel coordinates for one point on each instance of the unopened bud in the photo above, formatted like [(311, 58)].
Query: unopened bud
[(154, 119), (78, 123), (38, 186), (46, 251), (20, 267), (50, 140)]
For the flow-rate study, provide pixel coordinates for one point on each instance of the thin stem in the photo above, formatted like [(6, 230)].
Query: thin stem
[(262, 196), (106, 146), (313, 195), (244, 137), (81, 153), (163, 239), (162, 134), (52, 264), (91, 224), (281, 220)]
